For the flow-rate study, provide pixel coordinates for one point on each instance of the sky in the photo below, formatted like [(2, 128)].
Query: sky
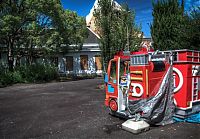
[(143, 10)]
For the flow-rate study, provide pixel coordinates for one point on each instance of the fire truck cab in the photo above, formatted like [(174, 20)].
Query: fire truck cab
[(132, 76)]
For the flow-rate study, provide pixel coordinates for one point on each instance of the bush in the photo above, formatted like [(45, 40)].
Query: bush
[(38, 72), (17, 77), (6, 79), (5, 76), (28, 74)]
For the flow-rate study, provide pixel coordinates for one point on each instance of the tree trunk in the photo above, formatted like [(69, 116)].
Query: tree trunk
[(183, 6), (30, 53), (18, 60), (10, 55)]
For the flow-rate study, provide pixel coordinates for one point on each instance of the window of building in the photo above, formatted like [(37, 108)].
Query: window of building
[(69, 63), (98, 64), (84, 62)]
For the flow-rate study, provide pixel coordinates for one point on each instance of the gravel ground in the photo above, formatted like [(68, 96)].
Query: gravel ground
[(70, 110)]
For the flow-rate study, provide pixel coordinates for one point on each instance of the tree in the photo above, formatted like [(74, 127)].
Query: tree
[(183, 6), (68, 29), (125, 30), (117, 29), (170, 27), (194, 23), (15, 19), (25, 24)]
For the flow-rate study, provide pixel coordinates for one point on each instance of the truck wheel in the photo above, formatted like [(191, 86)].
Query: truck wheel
[(113, 113), (113, 106)]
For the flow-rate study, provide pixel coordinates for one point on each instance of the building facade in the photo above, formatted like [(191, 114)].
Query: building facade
[(85, 61)]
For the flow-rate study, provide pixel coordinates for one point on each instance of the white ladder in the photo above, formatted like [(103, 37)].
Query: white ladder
[(195, 88)]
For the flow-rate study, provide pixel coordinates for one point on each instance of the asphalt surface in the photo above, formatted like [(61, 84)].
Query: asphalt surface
[(70, 110)]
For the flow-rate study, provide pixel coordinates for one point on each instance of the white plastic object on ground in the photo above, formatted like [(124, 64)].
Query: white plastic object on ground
[(135, 126)]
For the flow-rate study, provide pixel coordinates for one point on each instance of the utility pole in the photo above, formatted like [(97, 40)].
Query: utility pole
[(127, 31), (127, 37)]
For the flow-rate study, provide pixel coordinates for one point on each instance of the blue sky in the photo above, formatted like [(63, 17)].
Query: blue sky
[(143, 9)]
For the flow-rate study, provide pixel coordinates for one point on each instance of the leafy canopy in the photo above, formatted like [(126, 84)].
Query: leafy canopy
[(116, 27), (38, 24), (172, 28)]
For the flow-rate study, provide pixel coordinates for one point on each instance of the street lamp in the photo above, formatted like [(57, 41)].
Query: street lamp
[(127, 37)]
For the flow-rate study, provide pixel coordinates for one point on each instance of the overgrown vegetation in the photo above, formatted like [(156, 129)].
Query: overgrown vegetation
[(32, 29), (194, 25), (117, 29), (173, 28), (28, 73), (42, 25)]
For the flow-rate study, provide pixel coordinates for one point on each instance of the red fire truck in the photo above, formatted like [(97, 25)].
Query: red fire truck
[(132, 76)]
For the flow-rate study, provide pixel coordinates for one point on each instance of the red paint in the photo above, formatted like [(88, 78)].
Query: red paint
[(113, 105), (151, 79)]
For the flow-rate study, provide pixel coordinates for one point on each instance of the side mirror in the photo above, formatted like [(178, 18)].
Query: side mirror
[(106, 78)]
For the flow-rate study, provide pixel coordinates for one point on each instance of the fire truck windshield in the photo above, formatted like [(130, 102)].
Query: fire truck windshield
[(113, 67)]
